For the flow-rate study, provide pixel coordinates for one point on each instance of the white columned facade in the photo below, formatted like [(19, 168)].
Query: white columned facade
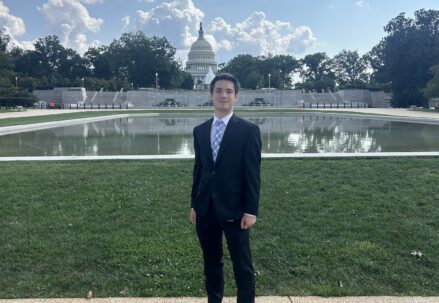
[(201, 58)]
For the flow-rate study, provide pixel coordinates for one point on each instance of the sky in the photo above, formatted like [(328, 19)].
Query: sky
[(256, 27)]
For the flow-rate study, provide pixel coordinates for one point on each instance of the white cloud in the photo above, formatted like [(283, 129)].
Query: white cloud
[(14, 42), (26, 45), (363, 4), (70, 21), (124, 22), (179, 22), (14, 25), (91, 1), (258, 36)]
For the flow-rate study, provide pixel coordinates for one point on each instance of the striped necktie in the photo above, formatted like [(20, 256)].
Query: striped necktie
[(218, 135)]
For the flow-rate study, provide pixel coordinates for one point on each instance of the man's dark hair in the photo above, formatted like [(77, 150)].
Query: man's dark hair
[(225, 76)]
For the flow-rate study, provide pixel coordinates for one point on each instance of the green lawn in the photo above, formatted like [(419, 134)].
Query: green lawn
[(120, 228), (57, 117)]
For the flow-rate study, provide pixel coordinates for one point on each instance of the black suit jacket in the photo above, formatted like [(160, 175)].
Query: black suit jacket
[(232, 182)]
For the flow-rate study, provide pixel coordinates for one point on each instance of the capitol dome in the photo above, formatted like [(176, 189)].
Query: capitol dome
[(201, 58)]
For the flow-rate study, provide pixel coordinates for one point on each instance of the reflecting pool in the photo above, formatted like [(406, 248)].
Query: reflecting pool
[(170, 134)]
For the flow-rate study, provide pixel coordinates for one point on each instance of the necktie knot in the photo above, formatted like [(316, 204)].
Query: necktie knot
[(219, 123)]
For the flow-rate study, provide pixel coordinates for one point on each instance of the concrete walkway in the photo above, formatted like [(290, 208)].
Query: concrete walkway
[(233, 300), (38, 112), (398, 112)]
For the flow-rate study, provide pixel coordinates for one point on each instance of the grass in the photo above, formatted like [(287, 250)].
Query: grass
[(120, 228), (57, 117)]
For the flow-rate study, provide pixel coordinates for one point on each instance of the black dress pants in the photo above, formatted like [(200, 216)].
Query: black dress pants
[(210, 231)]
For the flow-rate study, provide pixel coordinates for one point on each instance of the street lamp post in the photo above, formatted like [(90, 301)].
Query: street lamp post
[(16, 82), (269, 80), (82, 79), (156, 80), (132, 85)]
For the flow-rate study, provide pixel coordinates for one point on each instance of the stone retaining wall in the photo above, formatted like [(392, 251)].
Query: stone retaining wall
[(179, 98)]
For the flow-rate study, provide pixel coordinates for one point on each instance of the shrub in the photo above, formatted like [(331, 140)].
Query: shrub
[(17, 101)]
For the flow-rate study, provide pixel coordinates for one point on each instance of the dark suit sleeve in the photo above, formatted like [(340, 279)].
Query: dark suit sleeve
[(197, 170), (252, 167)]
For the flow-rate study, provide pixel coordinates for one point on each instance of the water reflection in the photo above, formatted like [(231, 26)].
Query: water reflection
[(307, 133)]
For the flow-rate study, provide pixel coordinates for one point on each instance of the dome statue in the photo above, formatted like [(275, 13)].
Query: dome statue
[(201, 59)]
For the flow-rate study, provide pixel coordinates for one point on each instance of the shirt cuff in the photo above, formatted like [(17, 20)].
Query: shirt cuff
[(250, 215)]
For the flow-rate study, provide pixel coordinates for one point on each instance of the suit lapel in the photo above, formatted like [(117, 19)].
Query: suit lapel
[(228, 134), (206, 138)]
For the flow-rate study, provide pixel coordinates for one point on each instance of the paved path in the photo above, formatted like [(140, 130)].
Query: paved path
[(38, 112), (233, 300), (400, 112)]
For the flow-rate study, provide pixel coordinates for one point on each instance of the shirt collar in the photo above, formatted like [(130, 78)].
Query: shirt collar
[(225, 119)]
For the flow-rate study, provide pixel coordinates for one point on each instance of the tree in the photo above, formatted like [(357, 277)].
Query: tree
[(316, 73), (171, 74), (404, 56), (432, 88), (4, 40), (253, 72), (188, 82), (380, 76), (11, 83), (245, 68), (350, 69), (97, 60), (49, 53), (281, 69), (136, 58), (72, 65), (6, 63), (26, 62)]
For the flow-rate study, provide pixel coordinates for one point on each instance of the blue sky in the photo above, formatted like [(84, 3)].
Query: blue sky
[(232, 26)]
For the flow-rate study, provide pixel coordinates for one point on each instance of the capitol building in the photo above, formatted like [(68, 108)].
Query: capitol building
[(201, 62)]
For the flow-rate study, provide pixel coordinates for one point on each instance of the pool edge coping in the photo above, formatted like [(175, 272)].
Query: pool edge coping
[(189, 157)]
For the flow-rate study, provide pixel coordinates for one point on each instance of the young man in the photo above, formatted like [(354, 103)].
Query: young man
[(225, 190)]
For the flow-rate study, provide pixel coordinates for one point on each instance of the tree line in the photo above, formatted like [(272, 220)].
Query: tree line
[(133, 60), (405, 62)]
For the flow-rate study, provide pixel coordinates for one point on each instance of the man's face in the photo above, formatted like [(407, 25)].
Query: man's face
[(224, 97)]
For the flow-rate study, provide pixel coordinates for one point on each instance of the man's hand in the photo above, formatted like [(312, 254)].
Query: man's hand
[(247, 221), (193, 216)]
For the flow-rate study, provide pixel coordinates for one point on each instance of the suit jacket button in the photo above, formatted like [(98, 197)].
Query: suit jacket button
[(213, 172)]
